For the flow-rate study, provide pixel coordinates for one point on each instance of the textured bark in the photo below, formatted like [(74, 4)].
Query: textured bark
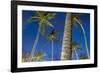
[(66, 44)]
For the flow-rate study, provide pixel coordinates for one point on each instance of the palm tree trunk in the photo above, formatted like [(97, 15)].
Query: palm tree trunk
[(34, 46), (72, 56), (76, 54), (86, 43), (52, 49), (66, 44)]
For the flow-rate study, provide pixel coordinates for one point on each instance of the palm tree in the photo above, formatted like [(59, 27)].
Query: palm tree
[(43, 19), (39, 56), (66, 47), (76, 19), (75, 45), (52, 36), (71, 18), (25, 57)]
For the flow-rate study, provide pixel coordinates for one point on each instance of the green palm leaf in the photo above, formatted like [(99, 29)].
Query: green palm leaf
[(50, 16), (33, 19), (40, 13), (42, 28), (48, 23)]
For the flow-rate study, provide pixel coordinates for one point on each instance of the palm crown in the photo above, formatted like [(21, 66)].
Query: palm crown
[(43, 18), (52, 35)]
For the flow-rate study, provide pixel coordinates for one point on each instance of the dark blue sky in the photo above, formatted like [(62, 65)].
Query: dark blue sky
[(29, 31)]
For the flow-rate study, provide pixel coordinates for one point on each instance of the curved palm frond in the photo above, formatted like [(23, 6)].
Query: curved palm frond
[(33, 19), (50, 16)]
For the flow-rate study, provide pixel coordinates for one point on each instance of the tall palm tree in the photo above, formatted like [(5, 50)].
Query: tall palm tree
[(71, 18), (75, 45), (39, 56), (43, 20), (52, 36), (76, 19), (66, 47)]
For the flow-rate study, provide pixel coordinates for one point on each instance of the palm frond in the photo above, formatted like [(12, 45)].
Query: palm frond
[(42, 28), (33, 19), (50, 16), (39, 13), (48, 23)]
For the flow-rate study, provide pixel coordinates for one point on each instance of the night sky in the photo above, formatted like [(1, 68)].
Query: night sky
[(29, 31)]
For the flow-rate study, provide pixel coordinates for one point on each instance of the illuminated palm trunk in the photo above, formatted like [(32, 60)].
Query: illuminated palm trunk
[(66, 44), (34, 45), (52, 49)]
